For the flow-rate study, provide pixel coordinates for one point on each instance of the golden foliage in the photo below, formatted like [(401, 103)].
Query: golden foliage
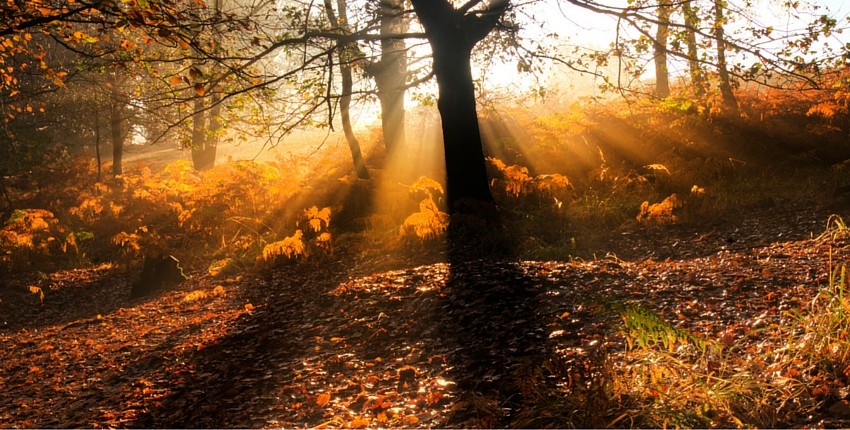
[(430, 186), (218, 266), (290, 247), (196, 295), (30, 235), (656, 167), (323, 241), (660, 213), (428, 223), (130, 243), (318, 218), (826, 110), (37, 292), (31, 220), (516, 183)]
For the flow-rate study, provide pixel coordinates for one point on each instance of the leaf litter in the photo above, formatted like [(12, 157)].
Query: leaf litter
[(468, 343)]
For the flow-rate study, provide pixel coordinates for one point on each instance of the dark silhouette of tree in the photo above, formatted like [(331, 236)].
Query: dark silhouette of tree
[(453, 33)]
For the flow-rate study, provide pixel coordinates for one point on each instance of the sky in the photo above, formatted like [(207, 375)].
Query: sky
[(579, 26)]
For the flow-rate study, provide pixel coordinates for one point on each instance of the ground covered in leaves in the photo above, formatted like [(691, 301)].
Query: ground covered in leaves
[(446, 341)]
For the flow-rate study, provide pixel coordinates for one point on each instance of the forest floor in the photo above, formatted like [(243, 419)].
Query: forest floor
[(433, 340)]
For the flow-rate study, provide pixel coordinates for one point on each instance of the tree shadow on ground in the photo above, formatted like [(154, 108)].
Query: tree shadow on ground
[(324, 348), (238, 380), (491, 323), (497, 319), (63, 297)]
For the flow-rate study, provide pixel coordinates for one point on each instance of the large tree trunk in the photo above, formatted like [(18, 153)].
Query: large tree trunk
[(391, 74), (452, 35), (466, 172), (205, 131), (691, 24), (729, 99), (200, 155), (662, 77), (205, 119)]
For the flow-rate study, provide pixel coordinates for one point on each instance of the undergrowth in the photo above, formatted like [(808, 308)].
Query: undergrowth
[(566, 180), (793, 371), (787, 374)]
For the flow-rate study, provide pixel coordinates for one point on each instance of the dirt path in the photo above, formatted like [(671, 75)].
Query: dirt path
[(473, 343)]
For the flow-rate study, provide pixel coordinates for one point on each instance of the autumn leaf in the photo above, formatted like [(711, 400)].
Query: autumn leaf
[(382, 418), (175, 80), (359, 423), (323, 399), (410, 420), (199, 89), (434, 398), (195, 73)]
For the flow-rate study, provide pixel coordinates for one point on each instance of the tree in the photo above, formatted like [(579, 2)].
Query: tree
[(344, 56), (116, 122), (390, 72), (725, 85), (690, 29), (453, 33), (662, 77), (793, 54), (206, 123)]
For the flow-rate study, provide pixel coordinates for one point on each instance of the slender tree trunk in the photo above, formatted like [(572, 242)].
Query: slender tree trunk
[(391, 75), (452, 35), (347, 85), (345, 58), (662, 77), (214, 134), (9, 205), (729, 99), (691, 23), (97, 143), (344, 111), (116, 107)]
